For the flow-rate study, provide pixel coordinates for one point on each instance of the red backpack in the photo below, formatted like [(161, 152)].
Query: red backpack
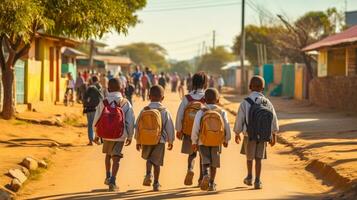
[(111, 123)]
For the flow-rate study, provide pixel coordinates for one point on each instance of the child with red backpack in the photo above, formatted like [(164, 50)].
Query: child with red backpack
[(114, 123), (210, 131), (154, 127), (190, 105), (258, 122)]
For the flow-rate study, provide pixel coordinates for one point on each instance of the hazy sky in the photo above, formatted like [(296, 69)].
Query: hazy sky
[(181, 26)]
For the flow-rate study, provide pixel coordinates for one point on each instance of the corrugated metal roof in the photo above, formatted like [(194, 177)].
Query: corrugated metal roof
[(345, 37), (235, 65)]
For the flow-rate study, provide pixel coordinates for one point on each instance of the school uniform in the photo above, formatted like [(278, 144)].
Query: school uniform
[(253, 149), (209, 155), (156, 153), (186, 140), (114, 147)]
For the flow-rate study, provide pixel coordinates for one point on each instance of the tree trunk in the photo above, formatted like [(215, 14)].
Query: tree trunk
[(8, 109)]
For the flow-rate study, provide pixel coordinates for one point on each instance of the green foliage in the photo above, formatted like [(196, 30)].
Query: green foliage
[(181, 67), (148, 54), (213, 61)]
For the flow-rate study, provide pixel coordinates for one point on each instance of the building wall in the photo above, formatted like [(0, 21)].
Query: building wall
[(352, 61), (322, 64), (337, 92), (32, 81)]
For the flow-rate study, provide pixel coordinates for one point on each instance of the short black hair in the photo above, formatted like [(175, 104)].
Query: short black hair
[(95, 79), (211, 95), (114, 85), (199, 80), (156, 91), (257, 83)]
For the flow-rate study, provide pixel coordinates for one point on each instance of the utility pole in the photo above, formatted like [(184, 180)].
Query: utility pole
[(214, 40), (203, 52), (242, 52), (91, 54)]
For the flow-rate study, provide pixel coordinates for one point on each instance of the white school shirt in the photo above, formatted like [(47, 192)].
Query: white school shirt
[(243, 114), (197, 95), (128, 112), (197, 125), (168, 130)]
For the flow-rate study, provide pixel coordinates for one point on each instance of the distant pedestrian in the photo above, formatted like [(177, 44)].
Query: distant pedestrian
[(109, 75), (162, 80), (220, 83), (91, 100), (189, 82), (136, 79), (152, 144), (115, 133), (70, 86), (103, 80), (174, 81), (211, 82), (259, 127), (80, 87), (210, 131), (129, 91), (145, 85), (181, 87)]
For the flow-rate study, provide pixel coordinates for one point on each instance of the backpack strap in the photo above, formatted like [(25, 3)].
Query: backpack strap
[(122, 102), (106, 102), (250, 101), (189, 98)]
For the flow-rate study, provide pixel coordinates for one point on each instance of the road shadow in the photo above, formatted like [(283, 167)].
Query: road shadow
[(102, 194)]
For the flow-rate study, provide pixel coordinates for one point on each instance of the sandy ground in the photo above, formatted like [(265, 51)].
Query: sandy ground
[(78, 173), (19, 139)]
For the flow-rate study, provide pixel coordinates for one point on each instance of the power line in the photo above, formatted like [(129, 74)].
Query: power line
[(182, 3), (192, 7), (187, 39)]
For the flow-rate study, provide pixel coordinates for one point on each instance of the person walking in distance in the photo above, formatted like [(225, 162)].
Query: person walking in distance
[(145, 85), (220, 83), (91, 99)]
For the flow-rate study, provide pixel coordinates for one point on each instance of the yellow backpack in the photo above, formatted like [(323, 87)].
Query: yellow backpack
[(149, 126), (212, 128), (190, 113)]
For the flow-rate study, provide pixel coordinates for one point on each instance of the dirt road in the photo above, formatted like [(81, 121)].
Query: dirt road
[(79, 174)]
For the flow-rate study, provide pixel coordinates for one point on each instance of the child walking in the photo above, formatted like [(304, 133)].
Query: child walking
[(190, 105), (154, 128), (258, 122), (210, 130), (114, 132)]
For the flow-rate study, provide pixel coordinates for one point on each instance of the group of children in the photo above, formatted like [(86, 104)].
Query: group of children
[(201, 124)]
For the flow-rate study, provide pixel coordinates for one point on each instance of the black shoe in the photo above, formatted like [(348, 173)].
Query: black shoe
[(204, 183), (258, 185), (212, 187), (156, 187), (147, 180), (189, 178), (113, 188), (248, 181)]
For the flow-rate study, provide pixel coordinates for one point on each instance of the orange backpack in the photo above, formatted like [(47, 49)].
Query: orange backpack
[(212, 128), (190, 113), (149, 126)]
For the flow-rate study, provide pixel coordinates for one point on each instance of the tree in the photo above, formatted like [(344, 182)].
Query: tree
[(148, 54), (20, 20), (255, 35), (181, 67), (215, 59)]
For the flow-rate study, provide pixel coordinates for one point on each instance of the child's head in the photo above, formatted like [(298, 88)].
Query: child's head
[(156, 93), (114, 85), (199, 81), (257, 84), (211, 96)]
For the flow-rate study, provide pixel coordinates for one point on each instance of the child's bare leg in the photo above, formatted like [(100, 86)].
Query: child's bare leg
[(205, 169), (115, 168), (148, 167), (250, 168), (258, 168), (156, 173), (191, 161), (201, 170), (107, 165), (213, 171)]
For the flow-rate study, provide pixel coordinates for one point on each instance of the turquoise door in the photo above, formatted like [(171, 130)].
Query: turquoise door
[(20, 81)]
